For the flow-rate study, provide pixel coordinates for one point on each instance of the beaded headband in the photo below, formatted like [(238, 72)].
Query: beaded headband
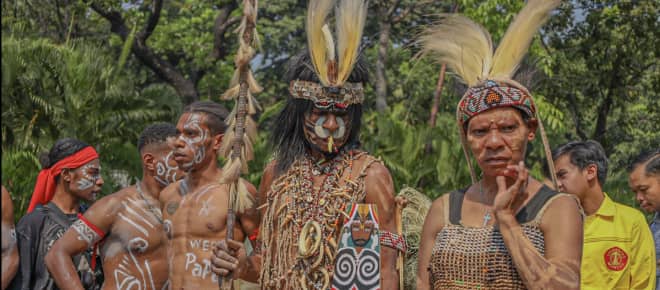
[(494, 94), (325, 96)]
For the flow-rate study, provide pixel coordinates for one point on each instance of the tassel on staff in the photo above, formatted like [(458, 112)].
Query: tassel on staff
[(241, 132)]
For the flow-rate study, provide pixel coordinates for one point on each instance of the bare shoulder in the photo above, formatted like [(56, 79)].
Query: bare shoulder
[(371, 166), (563, 209), (169, 192), (110, 203), (435, 218)]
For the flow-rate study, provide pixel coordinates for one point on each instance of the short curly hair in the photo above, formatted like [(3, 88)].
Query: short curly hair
[(156, 134)]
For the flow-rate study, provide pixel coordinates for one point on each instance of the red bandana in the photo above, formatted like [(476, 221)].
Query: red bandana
[(44, 189)]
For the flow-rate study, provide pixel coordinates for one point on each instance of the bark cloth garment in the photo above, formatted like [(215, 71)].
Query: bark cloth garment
[(289, 209), (476, 257), (36, 233)]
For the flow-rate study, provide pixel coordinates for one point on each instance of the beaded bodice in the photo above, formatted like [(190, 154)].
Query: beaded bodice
[(476, 257)]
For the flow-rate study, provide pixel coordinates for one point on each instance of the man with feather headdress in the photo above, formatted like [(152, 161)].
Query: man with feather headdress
[(319, 173)]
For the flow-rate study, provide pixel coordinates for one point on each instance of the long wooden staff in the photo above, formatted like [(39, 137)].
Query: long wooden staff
[(241, 132)]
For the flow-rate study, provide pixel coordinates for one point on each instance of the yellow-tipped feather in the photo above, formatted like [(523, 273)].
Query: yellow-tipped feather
[(317, 12), (351, 16), (464, 46), (519, 35)]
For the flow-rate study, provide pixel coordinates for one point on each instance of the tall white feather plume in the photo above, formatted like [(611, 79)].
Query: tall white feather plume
[(519, 35), (464, 46)]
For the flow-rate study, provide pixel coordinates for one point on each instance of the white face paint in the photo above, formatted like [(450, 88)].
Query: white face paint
[(88, 180), (319, 130), (325, 133), (165, 172), (195, 143)]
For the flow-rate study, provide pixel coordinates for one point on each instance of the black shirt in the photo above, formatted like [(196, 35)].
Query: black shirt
[(36, 233)]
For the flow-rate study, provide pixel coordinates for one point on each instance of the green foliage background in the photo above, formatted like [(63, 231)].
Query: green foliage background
[(593, 71)]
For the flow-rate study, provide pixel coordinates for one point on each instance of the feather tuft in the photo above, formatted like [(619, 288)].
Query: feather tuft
[(231, 93), (251, 128), (254, 86), (243, 198), (519, 35), (227, 141), (317, 12), (351, 17), (231, 171), (463, 45)]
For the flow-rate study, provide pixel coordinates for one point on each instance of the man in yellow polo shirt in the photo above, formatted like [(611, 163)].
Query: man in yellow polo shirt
[(618, 252)]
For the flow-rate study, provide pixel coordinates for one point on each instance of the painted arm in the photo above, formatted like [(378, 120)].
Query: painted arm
[(433, 224), (643, 262), (82, 235), (562, 228), (380, 191), (9, 248)]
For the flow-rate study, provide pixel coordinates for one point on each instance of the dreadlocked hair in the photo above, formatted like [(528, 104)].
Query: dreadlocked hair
[(156, 134), (215, 115), (288, 136)]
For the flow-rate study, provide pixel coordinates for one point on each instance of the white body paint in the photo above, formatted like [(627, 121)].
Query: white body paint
[(132, 239)]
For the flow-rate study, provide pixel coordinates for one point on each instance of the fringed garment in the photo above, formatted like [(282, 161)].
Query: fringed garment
[(293, 202), (476, 257)]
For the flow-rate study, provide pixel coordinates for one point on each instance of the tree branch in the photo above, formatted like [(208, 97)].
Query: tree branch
[(162, 68), (222, 24), (152, 21), (576, 115)]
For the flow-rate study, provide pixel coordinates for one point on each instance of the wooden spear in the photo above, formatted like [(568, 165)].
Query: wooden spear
[(238, 121)]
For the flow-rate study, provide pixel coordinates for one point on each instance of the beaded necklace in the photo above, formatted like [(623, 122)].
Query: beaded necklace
[(307, 217)]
